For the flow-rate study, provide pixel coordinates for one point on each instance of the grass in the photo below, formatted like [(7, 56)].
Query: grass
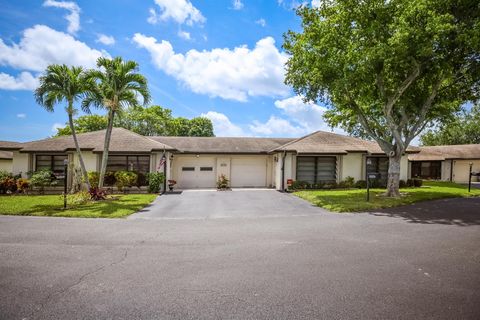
[(52, 206), (354, 200)]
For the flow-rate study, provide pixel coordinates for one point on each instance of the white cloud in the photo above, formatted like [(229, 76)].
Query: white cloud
[(308, 115), (184, 35), (181, 11), (106, 40), (227, 73), (277, 127), (56, 126), (24, 81), (41, 46), (21, 115), (73, 17), (222, 126), (261, 22), (237, 4)]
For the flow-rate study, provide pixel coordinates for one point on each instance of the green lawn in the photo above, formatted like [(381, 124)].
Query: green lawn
[(355, 200), (52, 205)]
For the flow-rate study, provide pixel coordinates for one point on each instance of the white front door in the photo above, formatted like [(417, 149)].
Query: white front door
[(193, 172), (249, 171)]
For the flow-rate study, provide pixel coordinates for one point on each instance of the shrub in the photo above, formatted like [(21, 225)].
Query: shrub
[(97, 194), (80, 197), (42, 179), (417, 183), (222, 182), (155, 180), (403, 184), (7, 184), (410, 183), (349, 182), (22, 185), (330, 185), (296, 185), (109, 179), (93, 178), (125, 179), (361, 184)]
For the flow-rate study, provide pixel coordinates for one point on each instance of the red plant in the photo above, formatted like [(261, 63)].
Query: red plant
[(172, 182), (97, 194)]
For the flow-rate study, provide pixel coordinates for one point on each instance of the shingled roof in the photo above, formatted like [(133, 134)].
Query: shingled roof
[(330, 143), (122, 140), (222, 144), (6, 155), (9, 145), (439, 153)]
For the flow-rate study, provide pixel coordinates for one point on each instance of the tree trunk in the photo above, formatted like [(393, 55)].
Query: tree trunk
[(106, 146), (79, 153), (393, 183)]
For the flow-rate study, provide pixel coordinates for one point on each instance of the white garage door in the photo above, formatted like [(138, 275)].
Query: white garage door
[(461, 169), (249, 172), (195, 172)]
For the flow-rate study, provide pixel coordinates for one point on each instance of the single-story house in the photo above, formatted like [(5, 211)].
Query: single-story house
[(198, 162), (447, 163), (6, 155)]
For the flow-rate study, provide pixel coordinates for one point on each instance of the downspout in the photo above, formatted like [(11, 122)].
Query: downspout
[(451, 170), (165, 173), (283, 169)]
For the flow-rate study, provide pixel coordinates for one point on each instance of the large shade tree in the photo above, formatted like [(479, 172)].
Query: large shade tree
[(118, 85), (387, 68), (61, 83)]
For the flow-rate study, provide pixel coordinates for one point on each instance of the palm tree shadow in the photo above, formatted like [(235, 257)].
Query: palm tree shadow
[(454, 211)]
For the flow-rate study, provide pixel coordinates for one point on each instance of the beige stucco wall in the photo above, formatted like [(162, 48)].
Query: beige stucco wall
[(21, 163), (89, 158), (351, 165), (6, 165), (461, 169)]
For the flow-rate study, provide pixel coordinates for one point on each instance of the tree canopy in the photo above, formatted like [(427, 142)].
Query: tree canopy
[(464, 128), (147, 121), (387, 68)]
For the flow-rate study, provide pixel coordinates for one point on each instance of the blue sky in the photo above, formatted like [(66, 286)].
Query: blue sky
[(219, 59)]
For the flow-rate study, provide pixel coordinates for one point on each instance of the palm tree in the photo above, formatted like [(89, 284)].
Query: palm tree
[(118, 84), (63, 83)]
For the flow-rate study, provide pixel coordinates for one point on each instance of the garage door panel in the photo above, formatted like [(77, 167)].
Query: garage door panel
[(249, 172), (193, 173)]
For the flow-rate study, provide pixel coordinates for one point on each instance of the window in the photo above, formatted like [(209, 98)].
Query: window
[(379, 165), (53, 163), (316, 169), (188, 168), (206, 168), (427, 169), (139, 164)]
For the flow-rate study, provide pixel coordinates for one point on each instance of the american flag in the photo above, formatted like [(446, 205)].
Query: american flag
[(162, 162)]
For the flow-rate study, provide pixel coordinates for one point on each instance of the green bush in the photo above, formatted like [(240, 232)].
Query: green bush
[(155, 180), (78, 198), (109, 179), (330, 185), (93, 178), (417, 183), (349, 182), (42, 179), (125, 179), (142, 179), (297, 185), (360, 184), (403, 184)]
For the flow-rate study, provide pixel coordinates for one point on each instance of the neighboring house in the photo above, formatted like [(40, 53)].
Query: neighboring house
[(448, 163), (197, 162), (6, 156)]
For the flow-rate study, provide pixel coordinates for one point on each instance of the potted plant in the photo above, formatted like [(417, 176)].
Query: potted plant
[(171, 184), (223, 182)]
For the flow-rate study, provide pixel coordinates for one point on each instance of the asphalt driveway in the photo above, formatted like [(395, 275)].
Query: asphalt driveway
[(394, 264), (238, 203)]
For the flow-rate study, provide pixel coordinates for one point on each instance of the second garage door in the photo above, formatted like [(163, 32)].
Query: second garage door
[(249, 172), (195, 172)]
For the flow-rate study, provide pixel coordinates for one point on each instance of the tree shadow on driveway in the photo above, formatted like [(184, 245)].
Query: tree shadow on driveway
[(454, 211)]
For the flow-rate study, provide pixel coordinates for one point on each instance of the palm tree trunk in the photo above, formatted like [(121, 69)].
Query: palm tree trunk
[(106, 146), (79, 153)]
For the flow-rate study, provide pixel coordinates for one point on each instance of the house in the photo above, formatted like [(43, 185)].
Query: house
[(447, 163), (197, 162), (6, 155)]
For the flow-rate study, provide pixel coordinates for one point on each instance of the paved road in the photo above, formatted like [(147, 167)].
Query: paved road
[(389, 265), (239, 203)]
